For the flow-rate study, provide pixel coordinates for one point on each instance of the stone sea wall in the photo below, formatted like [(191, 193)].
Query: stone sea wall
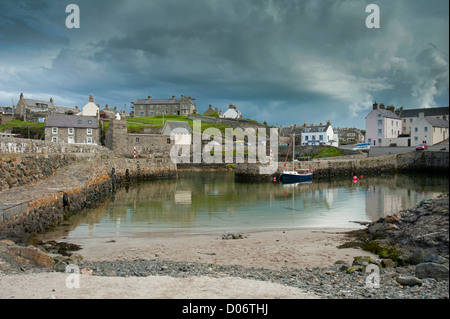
[(52, 208), (348, 166)]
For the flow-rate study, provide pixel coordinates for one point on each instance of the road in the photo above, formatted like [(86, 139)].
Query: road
[(380, 151)]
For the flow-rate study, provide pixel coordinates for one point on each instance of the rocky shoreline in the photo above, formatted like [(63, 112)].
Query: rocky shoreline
[(412, 246)]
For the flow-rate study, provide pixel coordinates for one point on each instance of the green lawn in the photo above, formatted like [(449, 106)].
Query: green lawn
[(17, 123)]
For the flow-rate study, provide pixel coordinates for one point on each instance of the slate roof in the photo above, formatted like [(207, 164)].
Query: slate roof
[(432, 111), (74, 121), (436, 122), (41, 105), (172, 125), (389, 114), (156, 101)]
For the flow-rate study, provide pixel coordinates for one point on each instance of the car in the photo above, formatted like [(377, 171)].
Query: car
[(421, 147)]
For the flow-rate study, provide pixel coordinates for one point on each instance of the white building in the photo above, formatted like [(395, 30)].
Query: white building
[(382, 123), (90, 109), (232, 113), (319, 134), (428, 130)]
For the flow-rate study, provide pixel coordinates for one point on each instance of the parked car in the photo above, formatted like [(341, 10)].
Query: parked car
[(421, 147)]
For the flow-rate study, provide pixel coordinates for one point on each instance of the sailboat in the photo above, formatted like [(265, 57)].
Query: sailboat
[(295, 176)]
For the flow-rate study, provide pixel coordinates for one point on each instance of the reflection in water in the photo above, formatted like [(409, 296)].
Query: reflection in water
[(212, 201)]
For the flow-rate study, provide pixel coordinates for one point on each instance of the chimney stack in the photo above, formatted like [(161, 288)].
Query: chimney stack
[(375, 106), (173, 97), (91, 98), (382, 106), (149, 97)]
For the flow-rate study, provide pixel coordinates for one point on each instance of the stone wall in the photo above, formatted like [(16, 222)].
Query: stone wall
[(10, 145), (37, 215), (122, 143), (21, 170), (436, 162)]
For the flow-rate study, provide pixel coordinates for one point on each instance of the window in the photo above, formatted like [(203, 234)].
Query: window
[(141, 113), (380, 122), (70, 130), (54, 130), (404, 120), (89, 131), (168, 140), (89, 122), (137, 139), (89, 140), (410, 120), (79, 121), (426, 128), (306, 137), (416, 138), (416, 129), (54, 139), (70, 139), (321, 137), (380, 131)]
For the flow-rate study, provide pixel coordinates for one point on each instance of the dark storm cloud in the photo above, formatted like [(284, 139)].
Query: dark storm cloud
[(281, 61)]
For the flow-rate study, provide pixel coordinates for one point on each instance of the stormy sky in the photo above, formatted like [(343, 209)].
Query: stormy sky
[(284, 61)]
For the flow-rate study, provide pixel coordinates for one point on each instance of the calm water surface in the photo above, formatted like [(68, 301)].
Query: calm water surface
[(199, 202)]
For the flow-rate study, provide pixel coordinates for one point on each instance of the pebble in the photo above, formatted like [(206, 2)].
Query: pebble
[(327, 282)]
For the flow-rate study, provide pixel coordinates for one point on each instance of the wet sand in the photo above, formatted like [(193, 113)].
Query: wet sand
[(275, 249)]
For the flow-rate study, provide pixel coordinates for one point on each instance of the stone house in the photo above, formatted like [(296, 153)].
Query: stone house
[(153, 107), (72, 129), (210, 110), (349, 135), (382, 123), (31, 110), (429, 130), (107, 113)]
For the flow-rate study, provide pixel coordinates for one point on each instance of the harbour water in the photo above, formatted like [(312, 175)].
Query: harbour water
[(199, 202)]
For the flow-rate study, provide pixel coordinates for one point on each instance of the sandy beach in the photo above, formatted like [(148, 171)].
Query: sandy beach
[(275, 249)]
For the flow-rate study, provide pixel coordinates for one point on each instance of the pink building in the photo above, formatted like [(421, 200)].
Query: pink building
[(382, 123)]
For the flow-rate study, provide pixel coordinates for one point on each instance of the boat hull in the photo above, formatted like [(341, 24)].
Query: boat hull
[(295, 177)]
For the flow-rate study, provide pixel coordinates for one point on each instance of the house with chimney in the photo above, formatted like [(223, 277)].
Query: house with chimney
[(321, 134), (232, 112), (211, 111), (382, 123), (33, 110), (429, 130), (72, 129), (409, 116), (91, 109), (174, 106)]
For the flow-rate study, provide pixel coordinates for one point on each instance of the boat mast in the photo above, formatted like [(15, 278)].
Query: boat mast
[(293, 152)]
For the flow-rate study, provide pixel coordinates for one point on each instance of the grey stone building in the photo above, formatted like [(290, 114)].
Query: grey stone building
[(153, 107), (31, 110), (72, 129)]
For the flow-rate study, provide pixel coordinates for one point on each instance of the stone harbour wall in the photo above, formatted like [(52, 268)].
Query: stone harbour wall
[(89, 185), (349, 166)]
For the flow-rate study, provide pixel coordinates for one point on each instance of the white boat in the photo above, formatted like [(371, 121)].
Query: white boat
[(295, 175)]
